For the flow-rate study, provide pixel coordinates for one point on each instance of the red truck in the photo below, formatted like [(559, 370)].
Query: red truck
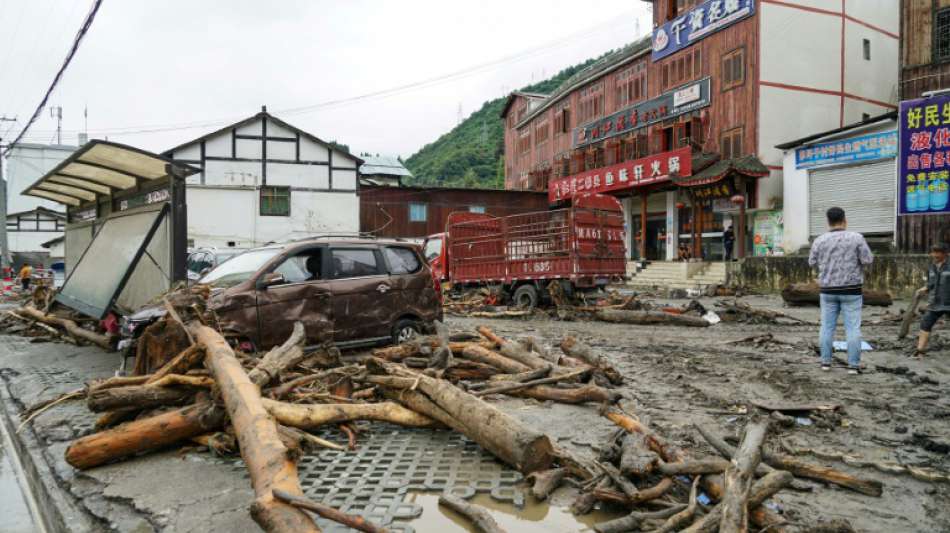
[(581, 246)]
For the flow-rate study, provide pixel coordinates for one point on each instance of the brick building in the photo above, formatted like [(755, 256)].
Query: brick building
[(682, 125)]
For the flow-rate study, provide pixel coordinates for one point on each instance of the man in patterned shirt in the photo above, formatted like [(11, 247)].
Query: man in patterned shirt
[(841, 257)]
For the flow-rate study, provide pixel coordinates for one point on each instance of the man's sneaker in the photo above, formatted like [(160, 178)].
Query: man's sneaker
[(854, 371), (825, 367)]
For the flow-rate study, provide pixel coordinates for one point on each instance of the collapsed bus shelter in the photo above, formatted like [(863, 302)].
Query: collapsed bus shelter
[(126, 225)]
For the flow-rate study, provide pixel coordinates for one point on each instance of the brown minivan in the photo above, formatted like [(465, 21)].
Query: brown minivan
[(348, 291)]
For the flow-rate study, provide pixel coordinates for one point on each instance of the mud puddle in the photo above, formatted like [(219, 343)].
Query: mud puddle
[(535, 517)]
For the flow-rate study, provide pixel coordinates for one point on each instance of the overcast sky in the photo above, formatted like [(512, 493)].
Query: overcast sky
[(162, 65)]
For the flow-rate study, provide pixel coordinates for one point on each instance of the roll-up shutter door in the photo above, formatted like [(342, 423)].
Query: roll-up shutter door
[(865, 192)]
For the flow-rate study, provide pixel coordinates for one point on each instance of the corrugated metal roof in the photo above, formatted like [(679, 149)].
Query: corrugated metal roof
[(383, 164)]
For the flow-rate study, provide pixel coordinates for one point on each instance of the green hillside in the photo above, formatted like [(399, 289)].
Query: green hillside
[(471, 154)]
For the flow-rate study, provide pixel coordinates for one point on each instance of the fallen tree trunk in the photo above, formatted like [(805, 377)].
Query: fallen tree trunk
[(140, 396), (809, 294), (826, 474), (261, 448), (762, 490), (479, 516), (575, 395), (144, 435), (511, 387), (179, 364), (636, 458), (712, 465), (575, 348), (317, 415), (513, 350), (728, 450), (738, 479), (71, 327), (522, 447), (488, 357), (680, 519), (280, 357), (649, 318), (348, 520)]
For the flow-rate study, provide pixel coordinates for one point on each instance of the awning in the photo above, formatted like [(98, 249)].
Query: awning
[(102, 168), (714, 170)]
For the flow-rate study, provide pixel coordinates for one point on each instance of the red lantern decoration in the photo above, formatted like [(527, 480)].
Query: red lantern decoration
[(738, 199), (680, 205)]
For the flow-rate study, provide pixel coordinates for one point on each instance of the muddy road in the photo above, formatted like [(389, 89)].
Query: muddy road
[(897, 411)]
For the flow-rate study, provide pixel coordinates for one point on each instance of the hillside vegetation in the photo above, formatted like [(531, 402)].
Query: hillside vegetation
[(471, 154)]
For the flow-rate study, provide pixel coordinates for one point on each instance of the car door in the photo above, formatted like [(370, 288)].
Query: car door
[(299, 294), (359, 285), (413, 290)]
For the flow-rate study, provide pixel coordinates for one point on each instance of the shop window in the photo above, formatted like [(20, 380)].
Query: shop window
[(941, 41), (730, 145), (418, 212), (562, 119), (275, 201), (867, 49), (733, 69)]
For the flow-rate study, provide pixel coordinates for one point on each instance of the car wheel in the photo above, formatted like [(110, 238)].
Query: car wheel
[(405, 330), (525, 297)]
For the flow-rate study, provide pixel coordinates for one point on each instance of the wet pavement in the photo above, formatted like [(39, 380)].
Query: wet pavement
[(15, 514)]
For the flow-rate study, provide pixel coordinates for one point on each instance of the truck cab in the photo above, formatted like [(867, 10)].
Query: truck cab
[(435, 254)]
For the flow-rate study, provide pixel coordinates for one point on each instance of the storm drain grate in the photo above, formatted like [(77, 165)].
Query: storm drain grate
[(392, 461)]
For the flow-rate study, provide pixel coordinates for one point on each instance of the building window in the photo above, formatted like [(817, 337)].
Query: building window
[(524, 142), (867, 49), (275, 201), (476, 209), (733, 69), (632, 84), (942, 36), (562, 118), (730, 145), (417, 212), (541, 132), (684, 68), (591, 102)]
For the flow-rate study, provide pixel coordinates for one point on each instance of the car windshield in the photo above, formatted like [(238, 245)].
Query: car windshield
[(239, 268), (433, 248)]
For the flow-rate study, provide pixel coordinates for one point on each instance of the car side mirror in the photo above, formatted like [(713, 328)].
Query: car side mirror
[(271, 279)]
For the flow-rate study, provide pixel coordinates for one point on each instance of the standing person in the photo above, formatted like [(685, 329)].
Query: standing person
[(840, 256), (938, 300), (728, 239), (26, 275)]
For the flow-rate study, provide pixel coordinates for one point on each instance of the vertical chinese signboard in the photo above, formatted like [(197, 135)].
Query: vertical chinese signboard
[(924, 166)]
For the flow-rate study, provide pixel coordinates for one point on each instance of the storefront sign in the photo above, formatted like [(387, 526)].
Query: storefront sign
[(768, 227), (704, 19), (714, 191), (652, 169), (152, 197), (924, 166), (667, 105), (865, 148)]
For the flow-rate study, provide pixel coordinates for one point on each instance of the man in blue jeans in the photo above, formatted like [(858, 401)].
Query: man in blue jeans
[(841, 257)]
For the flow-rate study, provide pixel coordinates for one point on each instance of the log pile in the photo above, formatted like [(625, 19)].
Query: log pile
[(61, 326)]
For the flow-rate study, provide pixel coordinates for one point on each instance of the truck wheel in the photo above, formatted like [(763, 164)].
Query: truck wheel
[(526, 297), (405, 330)]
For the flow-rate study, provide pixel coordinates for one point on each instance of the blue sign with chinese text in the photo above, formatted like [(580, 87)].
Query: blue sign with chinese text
[(924, 166), (865, 148), (704, 19)]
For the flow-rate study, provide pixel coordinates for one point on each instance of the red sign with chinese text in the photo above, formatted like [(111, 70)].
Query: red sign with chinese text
[(626, 175)]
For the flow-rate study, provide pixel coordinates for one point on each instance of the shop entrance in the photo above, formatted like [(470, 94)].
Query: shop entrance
[(655, 238)]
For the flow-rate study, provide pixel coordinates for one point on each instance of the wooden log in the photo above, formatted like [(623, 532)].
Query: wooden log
[(586, 501), (118, 381), (399, 351), (762, 490), (641, 496), (71, 327), (513, 350), (144, 435), (280, 357), (479, 516), (356, 522), (115, 417), (649, 318), (583, 394), (636, 458), (575, 348), (626, 486), (680, 519), (728, 450), (514, 386), (712, 465), (804, 469), (317, 415), (524, 448), (809, 294), (544, 482), (523, 377), (495, 359), (738, 479), (911, 312), (172, 380), (179, 364), (632, 521), (140, 396), (261, 448)]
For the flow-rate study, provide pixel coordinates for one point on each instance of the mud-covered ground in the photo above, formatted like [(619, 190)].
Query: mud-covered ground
[(898, 411)]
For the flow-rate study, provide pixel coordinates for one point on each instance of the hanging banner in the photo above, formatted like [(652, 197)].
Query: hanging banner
[(668, 105), (924, 166), (626, 175), (704, 19), (865, 148)]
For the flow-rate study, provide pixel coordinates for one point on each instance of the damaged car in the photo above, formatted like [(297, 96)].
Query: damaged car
[(351, 292)]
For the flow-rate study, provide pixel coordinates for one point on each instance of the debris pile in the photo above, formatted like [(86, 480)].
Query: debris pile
[(809, 294)]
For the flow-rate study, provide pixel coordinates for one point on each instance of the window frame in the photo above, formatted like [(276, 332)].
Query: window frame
[(425, 211), (420, 261), (866, 49), (260, 199), (934, 58), (733, 136), (729, 83), (382, 267), (324, 264)]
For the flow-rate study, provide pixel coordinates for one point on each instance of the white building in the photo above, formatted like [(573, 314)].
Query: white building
[(854, 168), (31, 221), (263, 180)]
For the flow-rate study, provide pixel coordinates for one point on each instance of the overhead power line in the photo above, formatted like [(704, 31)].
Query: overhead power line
[(59, 74)]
